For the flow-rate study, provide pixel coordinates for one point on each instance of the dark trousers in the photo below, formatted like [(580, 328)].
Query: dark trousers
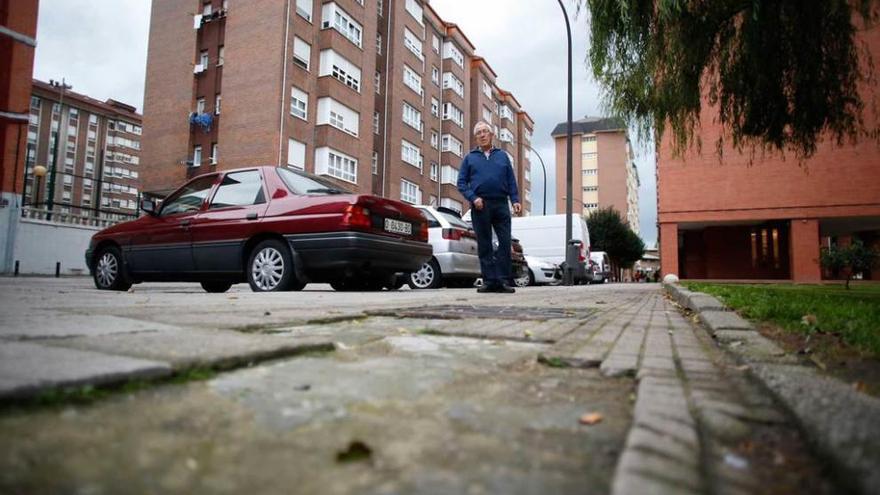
[(494, 263)]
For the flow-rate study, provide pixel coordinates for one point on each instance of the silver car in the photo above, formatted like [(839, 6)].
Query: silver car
[(455, 262), (540, 272)]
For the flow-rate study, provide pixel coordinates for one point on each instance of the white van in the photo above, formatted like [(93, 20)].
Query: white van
[(544, 237), (603, 266)]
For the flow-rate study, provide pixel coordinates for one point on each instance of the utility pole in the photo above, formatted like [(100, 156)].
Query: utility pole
[(50, 200), (570, 256)]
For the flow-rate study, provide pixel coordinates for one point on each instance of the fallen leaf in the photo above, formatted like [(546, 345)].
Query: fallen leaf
[(859, 386), (267, 313), (232, 297), (356, 451), (528, 334), (818, 363), (590, 418)]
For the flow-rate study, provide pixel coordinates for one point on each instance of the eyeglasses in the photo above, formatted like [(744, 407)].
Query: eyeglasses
[(482, 131)]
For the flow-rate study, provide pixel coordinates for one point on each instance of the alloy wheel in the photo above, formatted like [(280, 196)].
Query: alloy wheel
[(267, 269), (424, 277), (107, 269)]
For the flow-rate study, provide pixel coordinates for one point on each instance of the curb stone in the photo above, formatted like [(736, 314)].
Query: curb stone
[(844, 424)]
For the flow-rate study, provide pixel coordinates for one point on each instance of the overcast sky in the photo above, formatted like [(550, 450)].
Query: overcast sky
[(100, 47)]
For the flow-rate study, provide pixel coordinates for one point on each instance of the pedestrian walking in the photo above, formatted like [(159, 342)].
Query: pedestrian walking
[(486, 180)]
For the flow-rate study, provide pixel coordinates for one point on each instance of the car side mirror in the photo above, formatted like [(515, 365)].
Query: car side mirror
[(149, 206)]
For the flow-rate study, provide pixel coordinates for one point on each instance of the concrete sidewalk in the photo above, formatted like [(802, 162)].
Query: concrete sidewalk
[(443, 391)]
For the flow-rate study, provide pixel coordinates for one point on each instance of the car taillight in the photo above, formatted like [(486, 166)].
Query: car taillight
[(357, 216), (423, 231), (452, 234), (583, 256)]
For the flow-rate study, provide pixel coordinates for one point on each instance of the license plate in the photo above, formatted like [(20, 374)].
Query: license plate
[(398, 227)]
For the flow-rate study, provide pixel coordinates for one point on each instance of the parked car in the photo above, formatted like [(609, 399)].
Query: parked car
[(539, 271), (602, 266), (275, 228), (455, 262), (544, 236)]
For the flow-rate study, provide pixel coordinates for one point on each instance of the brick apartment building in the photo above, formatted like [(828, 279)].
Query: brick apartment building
[(732, 219), (97, 170), (380, 96), (603, 168), (17, 44)]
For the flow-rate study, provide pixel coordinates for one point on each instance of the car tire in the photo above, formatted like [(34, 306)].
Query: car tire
[(270, 267), (426, 277), (216, 286), (110, 270), (396, 281), (525, 280)]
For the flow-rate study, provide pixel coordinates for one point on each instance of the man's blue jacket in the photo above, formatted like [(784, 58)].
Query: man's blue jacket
[(487, 178)]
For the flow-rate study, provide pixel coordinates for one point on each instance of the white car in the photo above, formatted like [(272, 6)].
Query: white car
[(540, 272), (455, 262)]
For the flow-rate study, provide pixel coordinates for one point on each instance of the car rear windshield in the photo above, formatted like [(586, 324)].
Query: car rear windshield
[(303, 183), (454, 220)]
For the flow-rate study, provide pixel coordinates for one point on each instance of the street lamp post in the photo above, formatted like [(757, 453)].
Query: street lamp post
[(570, 255), (50, 200), (543, 169), (39, 173)]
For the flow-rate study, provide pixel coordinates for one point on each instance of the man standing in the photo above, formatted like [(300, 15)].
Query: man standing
[(486, 180)]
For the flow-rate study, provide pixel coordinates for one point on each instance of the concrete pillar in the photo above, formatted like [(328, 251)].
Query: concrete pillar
[(669, 249), (805, 267)]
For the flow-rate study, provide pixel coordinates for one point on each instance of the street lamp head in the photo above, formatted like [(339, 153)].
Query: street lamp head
[(40, 171)]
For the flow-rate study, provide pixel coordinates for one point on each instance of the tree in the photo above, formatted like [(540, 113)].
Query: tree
[(781, 72), (609, 233), (852, 259)]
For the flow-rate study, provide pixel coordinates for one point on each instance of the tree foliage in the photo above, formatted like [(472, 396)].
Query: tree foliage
[(609, 233), (852, 259), (781, 72)]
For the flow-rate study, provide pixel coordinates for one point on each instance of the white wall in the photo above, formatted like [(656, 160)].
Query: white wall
[(38, 245)]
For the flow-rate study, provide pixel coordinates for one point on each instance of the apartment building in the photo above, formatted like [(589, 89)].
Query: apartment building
[(604, 171), (738, 216), (97, 171), (376, 95)]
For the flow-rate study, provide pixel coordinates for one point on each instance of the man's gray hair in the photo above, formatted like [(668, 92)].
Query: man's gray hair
[(482, 123)]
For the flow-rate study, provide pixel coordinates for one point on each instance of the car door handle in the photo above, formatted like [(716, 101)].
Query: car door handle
[(185, 223), (251, 216)]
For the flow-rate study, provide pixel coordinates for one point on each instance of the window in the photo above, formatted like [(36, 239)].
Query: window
[(68, 180), (338, 115), (411, 154), (378, 44), (453, 83), (299, 103), (591, 189), (435, 75), (590, 171), (206, 9), (65, 195), (435, 107), (412, 117), (197, 156), (450, 144), (412, 80), (435, 171), (409, 192), (93, 119), (200, 105), (374, 164), (415, 10), (333, 16), (590, 155), (333, 64), (449, 175), (203, 59), (378, 82), (451, 51), (527, 135), (190, 198), (435, 139), (506, 113), (375, 122), (220, 56), (487, 115), (304, 9), (296, 154), (451, 204), (335, 164), (379, 7), (213, 154), (435, 43), (453, 113), (413, 42), (506, 136), (302, 52), (588, 139), (239, 189), (487, 89)]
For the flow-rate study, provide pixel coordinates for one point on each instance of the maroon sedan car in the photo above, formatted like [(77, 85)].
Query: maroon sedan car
[(276, 228)]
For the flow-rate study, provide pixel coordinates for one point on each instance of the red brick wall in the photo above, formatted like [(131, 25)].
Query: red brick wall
[(613, 156)]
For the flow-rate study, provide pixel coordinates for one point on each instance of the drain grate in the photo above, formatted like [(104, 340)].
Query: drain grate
[(459, 312)]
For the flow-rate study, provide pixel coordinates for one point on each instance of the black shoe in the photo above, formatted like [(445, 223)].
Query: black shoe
[(486, 289), (505, 289)]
